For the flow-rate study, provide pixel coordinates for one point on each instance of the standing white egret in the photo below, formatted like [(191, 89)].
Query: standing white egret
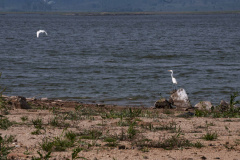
[(174, 81), (41, 31)]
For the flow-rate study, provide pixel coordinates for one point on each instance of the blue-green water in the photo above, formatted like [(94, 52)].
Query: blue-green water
[(120, 59)]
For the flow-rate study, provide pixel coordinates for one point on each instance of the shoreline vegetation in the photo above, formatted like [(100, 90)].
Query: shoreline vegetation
[(55, 129), (119, 13)]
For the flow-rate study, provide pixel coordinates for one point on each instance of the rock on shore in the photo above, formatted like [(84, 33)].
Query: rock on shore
[(180, 99)]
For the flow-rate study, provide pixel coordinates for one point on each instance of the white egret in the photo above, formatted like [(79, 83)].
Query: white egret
[(41, 31), (174, 81)]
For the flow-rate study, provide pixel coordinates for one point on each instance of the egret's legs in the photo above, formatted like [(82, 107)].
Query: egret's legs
[(174, 88)]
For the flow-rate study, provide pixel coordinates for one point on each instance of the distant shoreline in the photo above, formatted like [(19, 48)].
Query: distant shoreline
[(121, 13)]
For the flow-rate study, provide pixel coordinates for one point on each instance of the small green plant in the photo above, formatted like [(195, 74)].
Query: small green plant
[(111, 141), (55, 110), (233, 101), (59, 143), (62, 144), (210, 136), (175, 141), (38, 124), (131, 131), (71, 136), (24, 118), (91, 134), (42, 157), (172, 142), (55, 122), (5, 123), (78, 108), (36, 132), (230, 110), (74, 116), (9, 139), (121, 122), (134, 112), (202, 113), (47, 145), (111, 114), (27, 152), (58, 121), (3, 107), (171, 126), (198, 144), (4, 146), (88, 111), (75, 154)]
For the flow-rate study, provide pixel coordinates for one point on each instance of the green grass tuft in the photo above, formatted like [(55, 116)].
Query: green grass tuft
[(5, 123), (91, 134), (4, 146), (210, 136)]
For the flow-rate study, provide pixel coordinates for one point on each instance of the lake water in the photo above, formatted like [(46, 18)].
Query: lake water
[(121, 59)]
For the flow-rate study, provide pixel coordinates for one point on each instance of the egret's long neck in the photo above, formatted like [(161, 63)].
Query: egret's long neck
[(172, 74)]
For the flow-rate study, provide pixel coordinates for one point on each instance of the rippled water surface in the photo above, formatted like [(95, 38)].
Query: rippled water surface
[(120, 59)]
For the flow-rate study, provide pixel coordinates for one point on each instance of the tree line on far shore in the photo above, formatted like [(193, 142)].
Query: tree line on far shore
[(119, 5)]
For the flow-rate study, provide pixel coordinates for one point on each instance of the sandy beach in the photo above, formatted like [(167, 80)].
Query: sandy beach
[(57, 129)]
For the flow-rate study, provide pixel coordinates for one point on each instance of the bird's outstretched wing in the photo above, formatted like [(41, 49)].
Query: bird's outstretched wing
[(41, 31), (37, 34)]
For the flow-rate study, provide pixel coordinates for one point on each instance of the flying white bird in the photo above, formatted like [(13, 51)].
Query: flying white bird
[(41, 31), (174, 81)]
